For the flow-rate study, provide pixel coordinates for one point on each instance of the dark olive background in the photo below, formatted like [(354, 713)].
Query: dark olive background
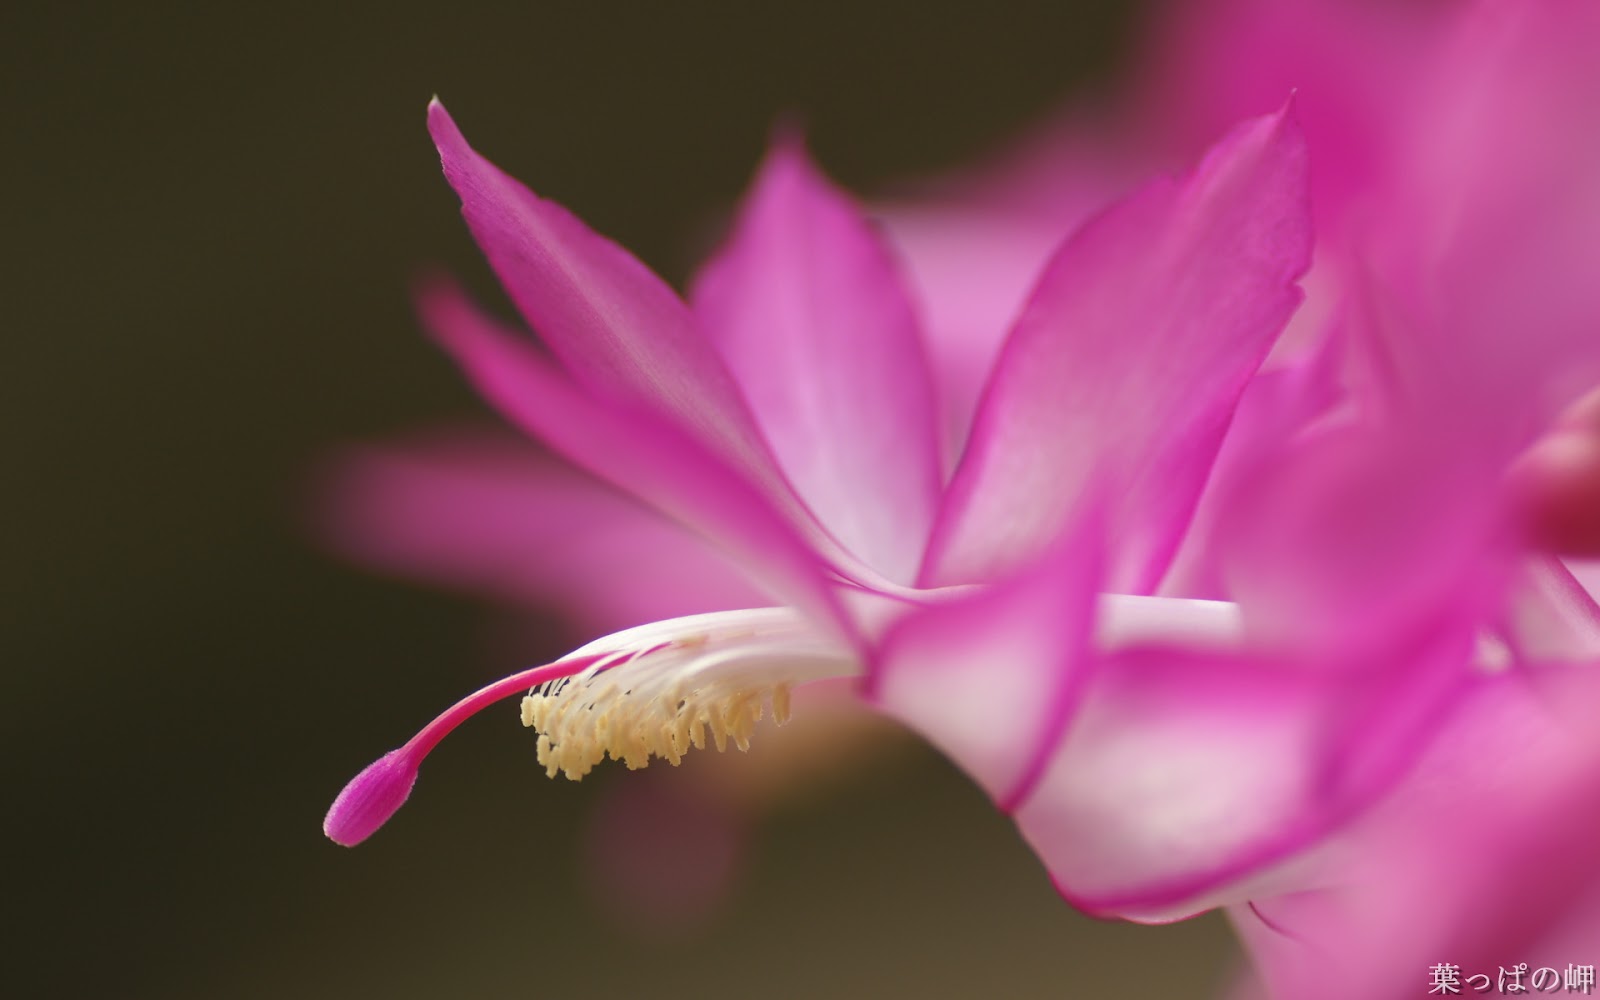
[(211, 214)]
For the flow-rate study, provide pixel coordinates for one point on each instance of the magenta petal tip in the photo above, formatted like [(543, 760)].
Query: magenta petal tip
[(370, 798)]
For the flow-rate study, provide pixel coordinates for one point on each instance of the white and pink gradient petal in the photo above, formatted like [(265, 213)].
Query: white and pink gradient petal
[(1128, 361), (1189, 773), (638, 452), (810, 314), (617, 328), (992, 678)]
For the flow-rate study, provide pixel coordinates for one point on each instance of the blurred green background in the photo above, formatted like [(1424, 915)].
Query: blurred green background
[(212, 213)]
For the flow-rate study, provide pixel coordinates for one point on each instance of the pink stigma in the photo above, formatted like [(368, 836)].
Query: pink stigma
[(378, 792)]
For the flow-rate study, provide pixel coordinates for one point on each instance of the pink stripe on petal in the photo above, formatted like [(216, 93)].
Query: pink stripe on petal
[(1129, 359), (633, 451), (613, 323), (810, 314)]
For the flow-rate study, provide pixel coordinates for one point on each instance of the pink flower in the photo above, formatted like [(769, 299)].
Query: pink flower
[(789, 417), (1214, 635)]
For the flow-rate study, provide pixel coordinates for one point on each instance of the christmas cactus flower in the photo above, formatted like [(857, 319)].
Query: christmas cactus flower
[(1222, 614), (787, 415)]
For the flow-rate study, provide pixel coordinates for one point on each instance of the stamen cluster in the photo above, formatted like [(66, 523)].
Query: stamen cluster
[(611, 710)]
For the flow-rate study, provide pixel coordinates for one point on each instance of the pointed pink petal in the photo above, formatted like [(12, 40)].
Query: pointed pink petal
[(809, 312), (993, 679), (472, 510), (1141, 335), (633, 451), (616, 326)]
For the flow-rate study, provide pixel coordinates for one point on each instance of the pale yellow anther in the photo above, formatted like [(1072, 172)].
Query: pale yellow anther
[(629, 717)]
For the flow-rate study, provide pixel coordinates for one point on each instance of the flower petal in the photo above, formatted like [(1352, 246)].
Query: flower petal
[(616, 326), (634, 451), (1278, 407), (1127, 363), (1187, 773), (1486, 231), (468, 509), (992, 678), (1483, 858), (1205, 65), (971, 270), (1362, 534), (809, 312)]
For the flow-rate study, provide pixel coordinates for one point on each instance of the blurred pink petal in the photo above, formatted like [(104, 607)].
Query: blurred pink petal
[(493, 515), (1350, 64), (1128, 361), (1483, 859), (633, 451), (1361, 535), (808, 310), (972, 269), (1487, 226)]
